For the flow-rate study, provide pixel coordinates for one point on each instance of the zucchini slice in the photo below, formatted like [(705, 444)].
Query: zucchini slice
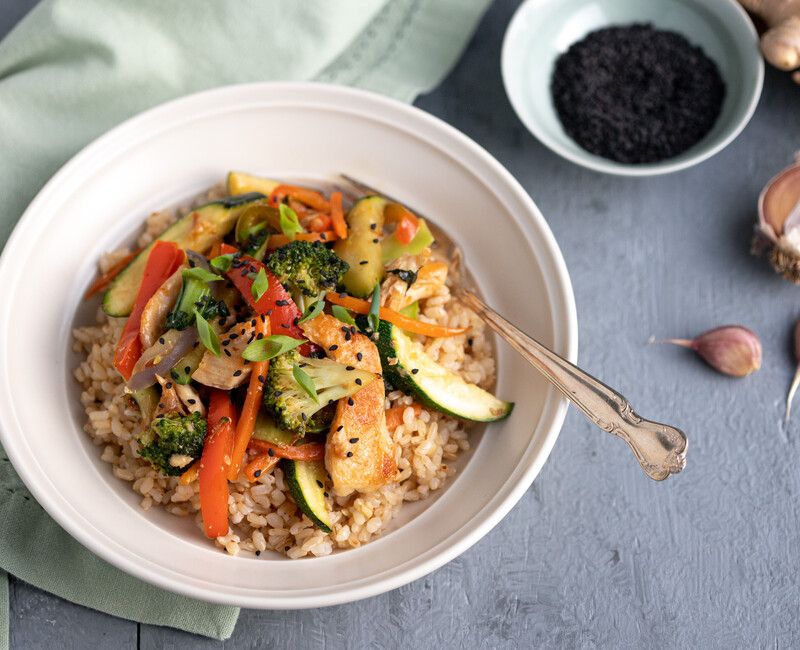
[(414, 372), (242, 183), (361, 249), (197, 231), (267, 430), (307, 480)]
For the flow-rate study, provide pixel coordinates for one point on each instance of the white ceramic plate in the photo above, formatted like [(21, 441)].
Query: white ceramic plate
[(282, 130)]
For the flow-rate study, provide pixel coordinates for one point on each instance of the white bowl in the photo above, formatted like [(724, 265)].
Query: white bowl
[(284, 130), (542, 30)]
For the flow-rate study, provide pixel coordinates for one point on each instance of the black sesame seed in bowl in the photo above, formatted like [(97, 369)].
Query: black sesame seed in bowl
[(633, 87)]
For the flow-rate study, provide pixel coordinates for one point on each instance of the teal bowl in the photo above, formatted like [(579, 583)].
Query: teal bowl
[(542, 30)]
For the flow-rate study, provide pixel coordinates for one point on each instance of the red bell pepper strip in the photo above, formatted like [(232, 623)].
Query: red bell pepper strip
[(163, 260), (406, 222), (214, 464), (276, 301)]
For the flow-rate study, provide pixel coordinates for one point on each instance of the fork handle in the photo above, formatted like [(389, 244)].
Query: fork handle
[(659, 448)]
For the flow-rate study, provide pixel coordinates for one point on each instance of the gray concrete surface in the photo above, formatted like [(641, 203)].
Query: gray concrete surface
[(596, 555)]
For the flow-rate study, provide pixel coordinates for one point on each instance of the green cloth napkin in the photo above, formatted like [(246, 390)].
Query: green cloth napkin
[(73, 69)]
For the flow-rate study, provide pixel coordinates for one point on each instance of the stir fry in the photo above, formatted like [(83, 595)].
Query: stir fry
[(266, 329)]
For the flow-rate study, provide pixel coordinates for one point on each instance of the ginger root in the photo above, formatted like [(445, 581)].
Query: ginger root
[(780, 44)]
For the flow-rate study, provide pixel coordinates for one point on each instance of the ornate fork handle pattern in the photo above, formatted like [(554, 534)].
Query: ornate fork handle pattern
[(659, 448)]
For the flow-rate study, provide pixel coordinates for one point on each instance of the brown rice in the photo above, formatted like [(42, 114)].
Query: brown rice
[(262, 515)]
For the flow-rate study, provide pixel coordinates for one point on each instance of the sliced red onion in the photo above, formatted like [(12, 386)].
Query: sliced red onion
[(160, 358)]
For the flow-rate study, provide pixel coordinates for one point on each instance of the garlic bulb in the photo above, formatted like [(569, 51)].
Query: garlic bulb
[(778, 226)]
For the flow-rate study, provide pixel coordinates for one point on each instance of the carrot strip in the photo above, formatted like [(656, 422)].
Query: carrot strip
[(403, 322), (276, 241), (190, 475), (394, 415), (216, 250), (337, 216), (318, 223), (309, 197), (261, 463), (310, 451), (431, 268), (104, 280), (252, 402)]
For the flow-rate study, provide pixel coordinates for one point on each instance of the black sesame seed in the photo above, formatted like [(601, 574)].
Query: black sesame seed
[(262, 378), (187, 369), (227, 352), (161, 405), (349, 367), (281, 303), (359, 356), (414, 371), (270, 452), (320, 483), (303, 417), (296, 320), (348, 336), (373, 226), (350, 401), (325, 493), (260, 336), (263, 318), (358, 381), (375, 241), (278, 393), (362, 262), (469, 341), (257, 473), (191, 400), (323, 236), (236, 373), (253, 322), (168, 385), (349, 454), (333, 347), (269, 311), (340, 427), (161, 340), (225, 342), (353, 441)]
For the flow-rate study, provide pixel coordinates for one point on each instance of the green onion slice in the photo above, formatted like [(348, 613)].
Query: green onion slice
[(270, 347), (290, 224), (260, 284), (207, 334), (313, 311), (306, 383), (342, 314)]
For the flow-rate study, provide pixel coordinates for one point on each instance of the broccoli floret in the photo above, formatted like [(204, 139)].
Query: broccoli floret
[(173, 441), (308, 268), (195, 296), (294, 408)]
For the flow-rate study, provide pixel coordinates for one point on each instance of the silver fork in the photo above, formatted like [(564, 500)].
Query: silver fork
[(659, 448)]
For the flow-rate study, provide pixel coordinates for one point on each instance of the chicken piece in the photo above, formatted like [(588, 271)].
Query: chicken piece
[(158, 307), (169, 402), (361, 418), (397, 294), (228, 370)]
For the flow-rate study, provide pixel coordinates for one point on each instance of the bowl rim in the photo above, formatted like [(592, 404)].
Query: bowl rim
[(563, 316), (598, 164)]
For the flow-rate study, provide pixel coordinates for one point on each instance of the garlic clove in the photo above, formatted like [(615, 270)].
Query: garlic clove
[(796, 379), (779, 222), (731, 349)]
